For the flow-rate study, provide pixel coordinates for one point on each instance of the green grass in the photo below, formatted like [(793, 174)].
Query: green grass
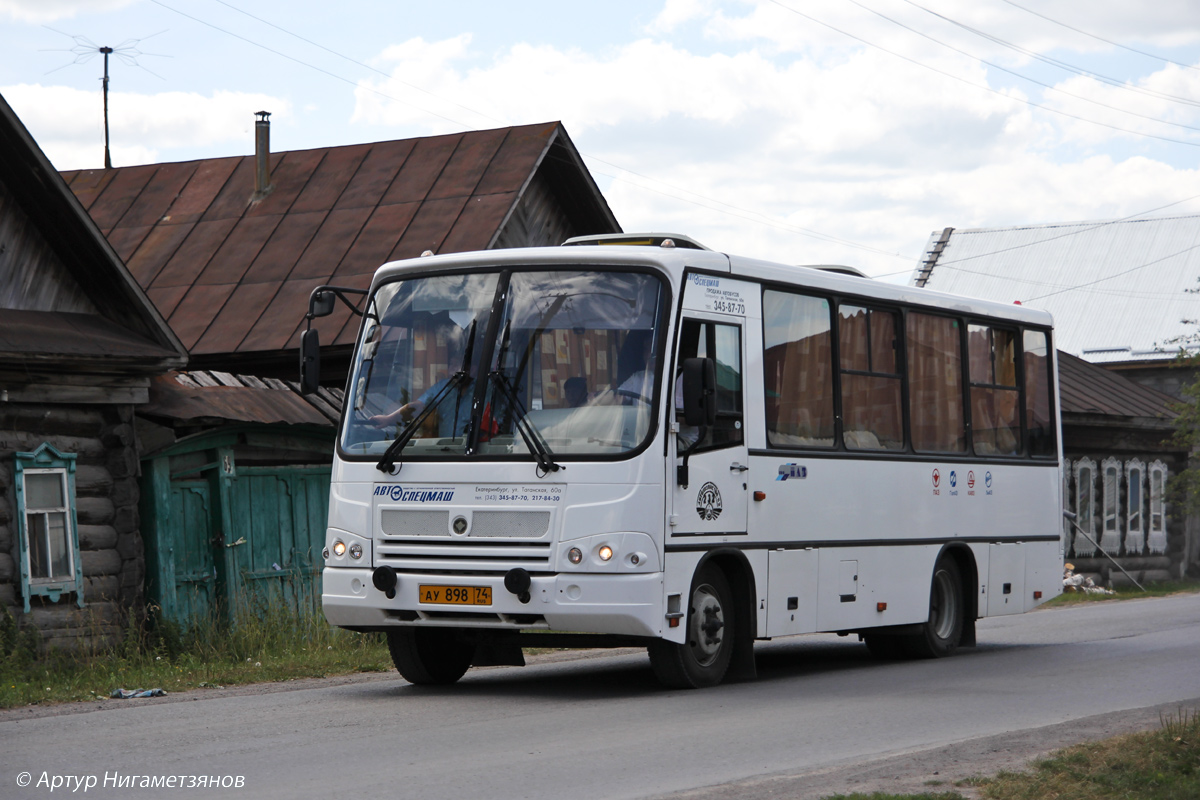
[(1126, 593), (1162, 764), (266, 642)]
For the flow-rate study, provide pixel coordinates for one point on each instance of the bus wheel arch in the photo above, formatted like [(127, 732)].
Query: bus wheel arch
[(949, 607), (721, 597)]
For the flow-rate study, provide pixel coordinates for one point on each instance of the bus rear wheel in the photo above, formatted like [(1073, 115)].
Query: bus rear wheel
[(703, 658), (429, 656), (942, 632)]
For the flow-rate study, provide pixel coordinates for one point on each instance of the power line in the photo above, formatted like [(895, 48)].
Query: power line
[(1057, 62), (985, 88), (1100, 38)]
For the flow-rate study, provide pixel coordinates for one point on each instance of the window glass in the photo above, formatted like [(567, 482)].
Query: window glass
[(995, 409), (723, 344), (46, 526), (871, 389), (935, 384), (798, 370), (1039, 417)]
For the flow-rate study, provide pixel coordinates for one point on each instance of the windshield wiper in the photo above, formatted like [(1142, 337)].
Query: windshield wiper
[(388, 460), (533, 439)]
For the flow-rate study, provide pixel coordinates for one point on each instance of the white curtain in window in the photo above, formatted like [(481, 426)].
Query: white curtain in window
[(1085, 506), (1157, 540), (1110, 538), (1135, 501)]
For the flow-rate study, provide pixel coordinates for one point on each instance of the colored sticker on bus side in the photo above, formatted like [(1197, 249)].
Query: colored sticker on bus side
[(789, 471), (710, 293)]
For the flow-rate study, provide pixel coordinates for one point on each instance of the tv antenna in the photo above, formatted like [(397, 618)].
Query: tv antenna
[(127, 51)]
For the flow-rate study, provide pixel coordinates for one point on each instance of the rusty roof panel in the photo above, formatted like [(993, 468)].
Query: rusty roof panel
[(238, 316), (165, 300), (289, 175), (480, 218), (207, 181), (119, 195), (282, 317), (127, 240), (233, 198), (172, 398), (331, 243), (287, 243), (429, 227), (468, 164), (239, 249), (517, 158), (330, 179), (161, 190), (193, 255), (154, 251), (196, 310), (376, 174), (377, 238), (88, 184), (421, 169), (1086, 388)]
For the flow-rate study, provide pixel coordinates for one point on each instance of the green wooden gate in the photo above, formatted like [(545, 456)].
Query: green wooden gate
[(220, 533)]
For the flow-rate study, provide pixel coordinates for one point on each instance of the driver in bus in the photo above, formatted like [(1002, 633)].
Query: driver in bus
[(454, 412)]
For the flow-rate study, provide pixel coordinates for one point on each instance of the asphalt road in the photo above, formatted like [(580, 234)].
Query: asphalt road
[(600, 727)]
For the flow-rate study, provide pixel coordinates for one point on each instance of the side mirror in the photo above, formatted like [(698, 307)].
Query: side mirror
[(699, 391), (310, 359), (320, 304)]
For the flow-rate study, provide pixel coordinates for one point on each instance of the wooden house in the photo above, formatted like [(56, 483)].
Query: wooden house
[(80, 344)]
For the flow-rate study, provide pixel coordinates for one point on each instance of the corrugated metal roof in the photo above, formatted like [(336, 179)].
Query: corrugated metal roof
[(232, 275), (1088, 389), (1118, 290), (208, 396)]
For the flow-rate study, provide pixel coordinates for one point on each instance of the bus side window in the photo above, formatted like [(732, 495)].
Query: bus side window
[(798, 370), (935, 384), (872, 417), (1039, 418), (995, 398), (722, 343)]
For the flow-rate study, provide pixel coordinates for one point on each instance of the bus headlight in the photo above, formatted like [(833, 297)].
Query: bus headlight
[(356, 551), (339, 548), (605, 553), (575, 555)]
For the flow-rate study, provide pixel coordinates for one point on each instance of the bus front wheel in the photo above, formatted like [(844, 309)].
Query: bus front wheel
[(429, 656), (942, 632), (703, 658)]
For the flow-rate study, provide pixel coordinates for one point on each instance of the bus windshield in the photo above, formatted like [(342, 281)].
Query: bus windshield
[(568, 366)]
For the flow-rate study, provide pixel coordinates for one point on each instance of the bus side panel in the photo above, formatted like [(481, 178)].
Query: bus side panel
[(853, 582), (792, 592), (1006, 579), (678, 569), (1043, 572)]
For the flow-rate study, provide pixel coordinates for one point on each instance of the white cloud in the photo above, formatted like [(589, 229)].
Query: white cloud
[(68, 123), (38, 11)]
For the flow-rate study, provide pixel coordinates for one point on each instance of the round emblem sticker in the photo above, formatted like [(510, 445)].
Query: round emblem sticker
[(708, 502)]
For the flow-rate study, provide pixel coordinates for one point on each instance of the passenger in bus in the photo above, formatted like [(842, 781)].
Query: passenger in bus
[(575, 391)]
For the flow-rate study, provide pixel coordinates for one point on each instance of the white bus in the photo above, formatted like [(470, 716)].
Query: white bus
[(665, 446)]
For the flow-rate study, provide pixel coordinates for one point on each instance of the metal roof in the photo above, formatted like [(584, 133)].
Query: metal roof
[(232, 273), (1088, 389), (209, 397), (1119, 290)]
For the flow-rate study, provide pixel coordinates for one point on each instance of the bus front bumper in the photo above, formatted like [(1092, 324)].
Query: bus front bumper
[(585, 603)]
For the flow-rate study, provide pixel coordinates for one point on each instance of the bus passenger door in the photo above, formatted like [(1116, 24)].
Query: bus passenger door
[(714, 501)]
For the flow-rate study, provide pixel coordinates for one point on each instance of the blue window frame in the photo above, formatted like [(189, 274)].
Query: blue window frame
[(46, 528)]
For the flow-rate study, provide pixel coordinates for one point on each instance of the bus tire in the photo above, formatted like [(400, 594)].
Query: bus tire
[(429, 656), (703, 659), (942, 631)]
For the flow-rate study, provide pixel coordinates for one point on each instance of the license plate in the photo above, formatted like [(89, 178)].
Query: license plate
[(456, 595)]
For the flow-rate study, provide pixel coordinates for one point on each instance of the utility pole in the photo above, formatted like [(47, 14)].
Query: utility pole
[(107, 156)]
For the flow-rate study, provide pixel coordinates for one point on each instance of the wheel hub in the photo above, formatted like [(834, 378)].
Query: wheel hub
[(707, 625)]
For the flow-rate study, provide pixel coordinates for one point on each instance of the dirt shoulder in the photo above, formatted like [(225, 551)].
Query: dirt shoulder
[(938, 769)]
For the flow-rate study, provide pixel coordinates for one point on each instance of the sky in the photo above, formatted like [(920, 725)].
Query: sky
[(799, 131)]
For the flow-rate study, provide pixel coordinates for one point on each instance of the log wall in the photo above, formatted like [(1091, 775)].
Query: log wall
[(106, 486)]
